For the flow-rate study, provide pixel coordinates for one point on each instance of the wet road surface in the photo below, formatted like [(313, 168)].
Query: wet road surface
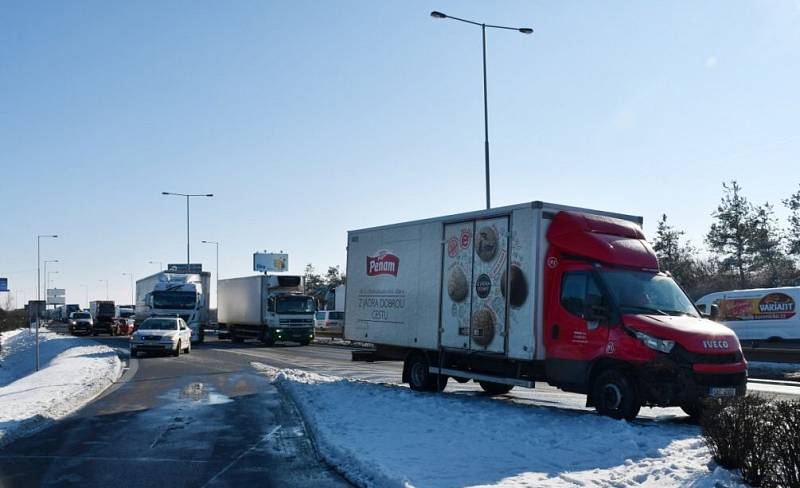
[(196, 420)]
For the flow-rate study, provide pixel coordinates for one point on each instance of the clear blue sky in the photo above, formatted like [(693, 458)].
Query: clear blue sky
[(307, 119)]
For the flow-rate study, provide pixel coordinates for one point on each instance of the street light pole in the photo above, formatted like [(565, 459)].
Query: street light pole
[(216, 271), (39, 288), (106, 288), (524, 30), (160, 266), (187, 195), (133, 299)]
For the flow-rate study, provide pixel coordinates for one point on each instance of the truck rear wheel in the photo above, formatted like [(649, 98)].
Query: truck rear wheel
[(615, 395), (419, 378), (491, 388)]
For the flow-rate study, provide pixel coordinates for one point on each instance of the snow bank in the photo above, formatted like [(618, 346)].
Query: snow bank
[(387, 435), (73, 372)]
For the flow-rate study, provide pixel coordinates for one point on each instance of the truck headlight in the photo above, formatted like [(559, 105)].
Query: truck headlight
[(662, 345)]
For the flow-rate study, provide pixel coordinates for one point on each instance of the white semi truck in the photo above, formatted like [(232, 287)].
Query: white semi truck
[(184, 295), (268, 308)]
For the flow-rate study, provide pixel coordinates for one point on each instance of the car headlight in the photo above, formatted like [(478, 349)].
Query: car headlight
[(169, 339), (662, 345), (72, 322)]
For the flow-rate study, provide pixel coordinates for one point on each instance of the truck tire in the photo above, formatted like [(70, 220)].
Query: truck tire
[(615, 395), (134, 353), (491, 388), (235, 338), (201, 335), (419, 378)]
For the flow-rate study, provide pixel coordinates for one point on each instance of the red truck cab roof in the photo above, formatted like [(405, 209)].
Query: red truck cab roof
[(605, 239)]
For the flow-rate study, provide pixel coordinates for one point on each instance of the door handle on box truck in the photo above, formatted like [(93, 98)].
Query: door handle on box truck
[(554, 331)]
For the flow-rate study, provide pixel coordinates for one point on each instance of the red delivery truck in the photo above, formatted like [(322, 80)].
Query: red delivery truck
[(536, 292)]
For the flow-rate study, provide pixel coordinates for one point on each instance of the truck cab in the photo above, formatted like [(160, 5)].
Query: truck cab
[(623, 332), (180, 295), (289, 312)]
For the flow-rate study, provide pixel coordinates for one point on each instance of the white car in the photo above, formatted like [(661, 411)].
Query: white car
[(162, 334)]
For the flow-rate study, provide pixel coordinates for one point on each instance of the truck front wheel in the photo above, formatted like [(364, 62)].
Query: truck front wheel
[(491, 388), (419, 378), (615, 395)]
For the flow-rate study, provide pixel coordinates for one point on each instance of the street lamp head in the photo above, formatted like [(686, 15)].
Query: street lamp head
[(438, 15), (210, 195), (165, 193), (526, 30)]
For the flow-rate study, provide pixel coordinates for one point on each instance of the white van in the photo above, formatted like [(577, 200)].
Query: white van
[(759, 314), (329, 321)]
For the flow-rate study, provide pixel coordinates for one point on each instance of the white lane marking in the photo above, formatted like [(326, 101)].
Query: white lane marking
[(266, 437)]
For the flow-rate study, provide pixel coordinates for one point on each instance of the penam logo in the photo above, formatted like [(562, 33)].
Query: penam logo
[(384, 263), (715, 344)]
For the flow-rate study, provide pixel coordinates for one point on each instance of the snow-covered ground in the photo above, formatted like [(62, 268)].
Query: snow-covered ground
[(385, 435), (73, 372)]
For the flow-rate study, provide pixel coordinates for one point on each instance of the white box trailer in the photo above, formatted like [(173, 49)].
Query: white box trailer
[(268, 308), (536, 292)]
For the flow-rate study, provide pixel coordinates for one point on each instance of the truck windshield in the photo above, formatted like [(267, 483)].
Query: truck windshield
[(182, 300), (645, 292), (81, 315), (295, 304)]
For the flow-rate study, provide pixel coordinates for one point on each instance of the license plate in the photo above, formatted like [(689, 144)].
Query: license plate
[(722, 392)]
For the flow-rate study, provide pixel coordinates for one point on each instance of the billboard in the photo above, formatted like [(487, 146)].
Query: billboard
[(774, 306), (193, 268), (3, 284), (56, 296), (266, 262)]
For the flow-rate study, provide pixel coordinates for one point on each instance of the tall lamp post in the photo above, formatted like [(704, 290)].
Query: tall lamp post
[(133, 300), (106, 287), (216, 271), (39, 288), (524, 30), (160, 266), (188, 196)]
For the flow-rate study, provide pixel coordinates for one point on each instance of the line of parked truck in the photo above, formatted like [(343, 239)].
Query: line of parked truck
[(504, 297)]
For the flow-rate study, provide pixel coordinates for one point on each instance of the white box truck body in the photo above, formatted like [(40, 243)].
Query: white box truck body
[(268, 308), (184, 295), (536, 292)]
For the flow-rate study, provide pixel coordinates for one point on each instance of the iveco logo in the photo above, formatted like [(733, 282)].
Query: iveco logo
[(715, 344)]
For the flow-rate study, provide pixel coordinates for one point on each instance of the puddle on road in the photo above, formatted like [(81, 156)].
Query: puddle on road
[(198, 394)]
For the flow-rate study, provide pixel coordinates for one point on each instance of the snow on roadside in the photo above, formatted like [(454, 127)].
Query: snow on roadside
[(73, 372), (385, 435)]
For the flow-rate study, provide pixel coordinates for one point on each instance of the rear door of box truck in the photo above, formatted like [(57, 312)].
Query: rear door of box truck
[(487, 287)]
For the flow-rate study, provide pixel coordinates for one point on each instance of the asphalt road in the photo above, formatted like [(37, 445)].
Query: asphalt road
[(203, 419), (209, 419)]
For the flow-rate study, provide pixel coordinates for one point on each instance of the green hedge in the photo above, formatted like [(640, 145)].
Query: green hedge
[(759, 437)]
